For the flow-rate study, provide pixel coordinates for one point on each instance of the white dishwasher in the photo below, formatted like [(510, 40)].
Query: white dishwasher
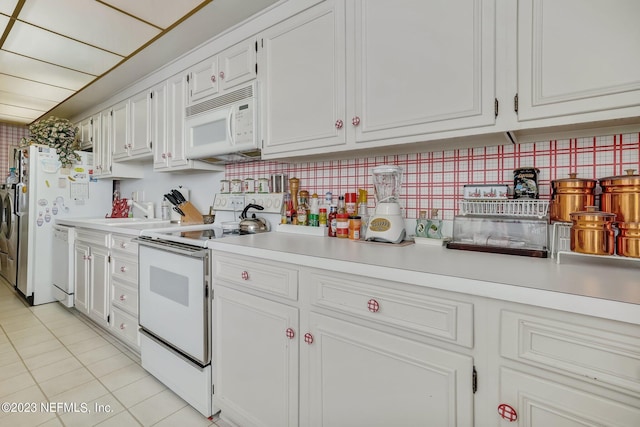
[(63, 264)]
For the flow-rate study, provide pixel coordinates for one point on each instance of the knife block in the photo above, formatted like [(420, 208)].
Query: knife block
[(191, 216)]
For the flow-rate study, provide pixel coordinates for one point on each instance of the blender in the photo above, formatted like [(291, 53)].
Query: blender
[(387, 223)]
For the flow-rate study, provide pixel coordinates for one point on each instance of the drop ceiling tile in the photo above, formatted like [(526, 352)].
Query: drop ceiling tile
[(8, 6), (42, 72), (4, 20), (162, 13), (23, 112), (90, 22), (32, 89), (37, 43)]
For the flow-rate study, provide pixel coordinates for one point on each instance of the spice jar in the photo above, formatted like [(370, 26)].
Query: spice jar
[(351, 203), (592, 232), (354, 227), (342, 225)]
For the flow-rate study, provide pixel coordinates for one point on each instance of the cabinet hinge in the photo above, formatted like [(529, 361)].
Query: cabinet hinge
[(151, 95), (151, 145), (256, 45), (91, 121), (108, 318), (206, 291), (515, 103), (474, 381), (495, 107), (187, 78), (256, 68), (262, 43), (213, 389), (109, 259)]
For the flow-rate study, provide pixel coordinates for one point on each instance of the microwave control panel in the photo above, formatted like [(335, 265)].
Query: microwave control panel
[(244, 122)]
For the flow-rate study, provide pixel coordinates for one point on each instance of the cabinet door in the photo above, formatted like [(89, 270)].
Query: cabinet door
[(158, 124), (575, 59), (302, 75), (362, 377), (422, 67), (237, 64), (120, 130), (139, 139), (85, 130), (96, 140), (203, 80), (256, 363), (99, 284), (536, 402), (81, 277), (177, 91)]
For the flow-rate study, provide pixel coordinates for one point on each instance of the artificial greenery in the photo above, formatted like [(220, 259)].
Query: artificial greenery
[(56, 133)]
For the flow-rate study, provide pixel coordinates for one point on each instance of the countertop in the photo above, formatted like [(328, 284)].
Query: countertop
[(127, 226), (590, 287)]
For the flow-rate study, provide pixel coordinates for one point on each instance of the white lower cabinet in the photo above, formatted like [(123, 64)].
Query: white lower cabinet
[(256, 364), (123, 283), (92, 275), (281, 361), (358, 376)]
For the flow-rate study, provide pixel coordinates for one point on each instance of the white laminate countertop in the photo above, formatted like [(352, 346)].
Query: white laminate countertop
[(590, 288), (127, 226)]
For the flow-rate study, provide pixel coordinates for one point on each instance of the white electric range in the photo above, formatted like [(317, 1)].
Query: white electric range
[(174, 297)]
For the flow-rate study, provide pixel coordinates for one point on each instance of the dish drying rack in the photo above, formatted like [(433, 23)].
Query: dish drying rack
[(512, 207)]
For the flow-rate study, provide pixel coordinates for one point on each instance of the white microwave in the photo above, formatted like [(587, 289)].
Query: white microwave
[(224, 125)]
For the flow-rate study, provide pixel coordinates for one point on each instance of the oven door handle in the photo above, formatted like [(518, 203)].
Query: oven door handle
[(177, 248)]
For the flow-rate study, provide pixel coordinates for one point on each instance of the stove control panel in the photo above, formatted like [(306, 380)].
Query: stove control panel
[(271, 202)]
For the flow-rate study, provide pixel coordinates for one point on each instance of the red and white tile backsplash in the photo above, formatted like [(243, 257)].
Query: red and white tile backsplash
[(436, 179), (10, 136)]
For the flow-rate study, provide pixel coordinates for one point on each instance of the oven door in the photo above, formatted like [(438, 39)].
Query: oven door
[(174, 303)]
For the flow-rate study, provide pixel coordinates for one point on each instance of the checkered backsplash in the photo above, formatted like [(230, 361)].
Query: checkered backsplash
[(436, 179), (9, 137)]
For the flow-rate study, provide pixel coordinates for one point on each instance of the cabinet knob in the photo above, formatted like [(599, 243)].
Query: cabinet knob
[(123, 269), (123, 245), (123, 297), (308, 338), (507, 412), (245, 275), (290, 333), (339, 124), (122, 326), (213, 78), (125, 146), (373, 306), (222, 75), (169, 155), (355, 121), (164, 156)]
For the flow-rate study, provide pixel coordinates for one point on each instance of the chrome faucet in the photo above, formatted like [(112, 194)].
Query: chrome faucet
[(146, 207)]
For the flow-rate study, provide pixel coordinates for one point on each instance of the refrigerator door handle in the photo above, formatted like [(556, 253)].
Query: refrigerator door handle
[(21, 199)]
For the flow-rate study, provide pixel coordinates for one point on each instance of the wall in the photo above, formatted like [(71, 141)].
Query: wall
[(10, 136), (436, 179)]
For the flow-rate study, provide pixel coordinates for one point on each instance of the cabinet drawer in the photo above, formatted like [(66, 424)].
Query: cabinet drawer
[(381, 302), (125, 297), (124, 267), (605, 351), (125, 326), (246, 272), (124, 243), (92, 237)]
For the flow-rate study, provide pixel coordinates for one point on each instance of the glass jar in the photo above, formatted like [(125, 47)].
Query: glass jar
[(236, 186), (354, 227), (342, 225)]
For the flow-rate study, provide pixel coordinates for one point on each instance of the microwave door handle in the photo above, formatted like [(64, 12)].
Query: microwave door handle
[(230, 127)]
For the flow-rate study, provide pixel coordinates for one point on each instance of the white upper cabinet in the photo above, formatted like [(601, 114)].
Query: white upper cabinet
[(422, 67), (577, 60), (227, 69), (120, 129), (369, 73), (302, 73), (140, 140)]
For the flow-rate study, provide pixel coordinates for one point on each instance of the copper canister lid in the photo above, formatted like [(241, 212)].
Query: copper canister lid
[(622, 180), (573, 182), (593, 215), (629, 225)]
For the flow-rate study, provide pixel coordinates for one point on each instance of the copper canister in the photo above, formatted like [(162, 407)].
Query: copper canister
[(592, 232), (570, 195), (621, 196), (628, 243)]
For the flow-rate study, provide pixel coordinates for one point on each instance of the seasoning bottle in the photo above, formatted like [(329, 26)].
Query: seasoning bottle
[(287, 207), (303, 208), (294, 186), (354, 227), (341, 205), (328, 199), (342, 225), (322, 217), (332, 221), (363, 211), (351, 203), (422, 224), (314, 211), (435, 225)]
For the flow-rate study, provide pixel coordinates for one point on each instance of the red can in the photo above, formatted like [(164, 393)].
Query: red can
[(351, 203)]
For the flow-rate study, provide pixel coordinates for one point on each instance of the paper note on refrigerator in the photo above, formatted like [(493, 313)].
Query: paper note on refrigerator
[(79, 190)]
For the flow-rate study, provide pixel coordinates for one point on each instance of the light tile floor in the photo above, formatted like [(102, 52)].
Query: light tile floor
[(53, 355)]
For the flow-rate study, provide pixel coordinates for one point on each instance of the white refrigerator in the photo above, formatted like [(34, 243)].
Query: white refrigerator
[(45, 192)]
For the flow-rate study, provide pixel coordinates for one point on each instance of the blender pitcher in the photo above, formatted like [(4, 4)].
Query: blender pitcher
[(387, 223)]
